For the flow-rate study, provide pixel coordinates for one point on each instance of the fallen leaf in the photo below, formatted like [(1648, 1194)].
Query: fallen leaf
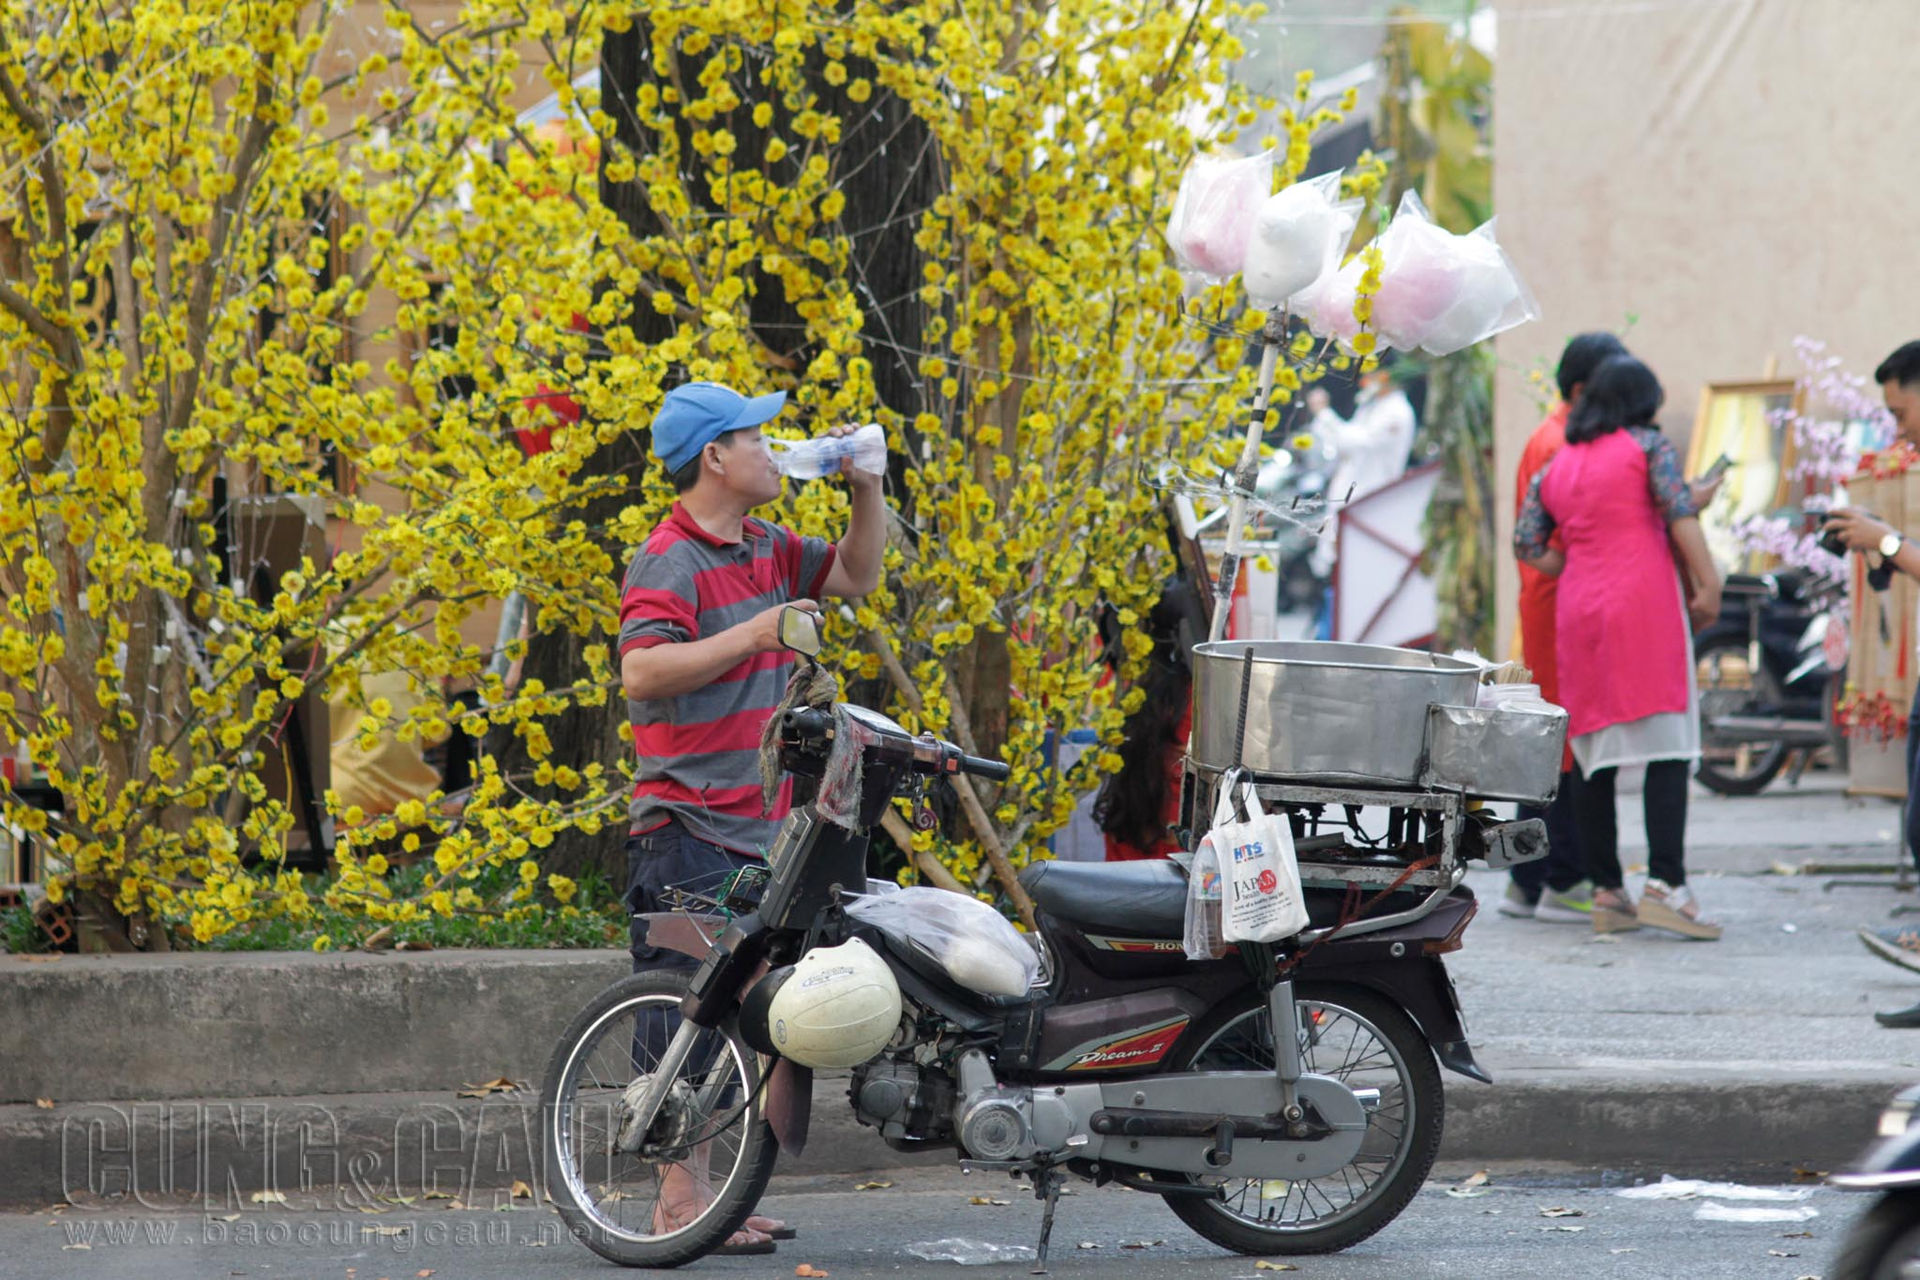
[(1623, 1251), (65, 1247), (1264, 1265), (811, 1272), (1086, 1244), (1796, 1235), (456, 1203), (535, 1244), (1563, 1226), (1140, 1244), (499, 1084), (407, 1200), (1809, 1175), (1557, 1212), (423, 1274), (413, 944), (1472, 1185), (400, 1230), (49, 958), (230, 1217), (521, 1191), (1781, 1253), (371, 1208), (45, 1104), (268, 1197), (984, 1200), (436, 1195), (871, 1186)]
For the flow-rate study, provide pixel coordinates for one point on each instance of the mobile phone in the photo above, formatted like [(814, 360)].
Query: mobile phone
[(1715, 470)]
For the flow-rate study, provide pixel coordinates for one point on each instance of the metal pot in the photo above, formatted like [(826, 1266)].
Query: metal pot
[(1319, 711)]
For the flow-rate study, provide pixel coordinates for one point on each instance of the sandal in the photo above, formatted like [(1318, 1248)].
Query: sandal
[(772, 1228), (1613, 911), (1675, 909)]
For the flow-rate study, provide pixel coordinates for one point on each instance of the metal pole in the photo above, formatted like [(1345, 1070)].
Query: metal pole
[(1244, 477)]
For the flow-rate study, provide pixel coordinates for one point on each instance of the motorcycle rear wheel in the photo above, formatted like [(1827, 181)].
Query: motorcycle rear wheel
[(1884, 1243), (1730, 685), (713, 1117), (1366, 1042)]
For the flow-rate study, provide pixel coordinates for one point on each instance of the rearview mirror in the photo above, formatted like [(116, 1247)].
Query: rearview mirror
[(800, 631)]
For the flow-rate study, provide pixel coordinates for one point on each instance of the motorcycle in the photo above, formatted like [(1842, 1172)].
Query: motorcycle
[(1771, 670), (1884, 1242), (1282, 1099)]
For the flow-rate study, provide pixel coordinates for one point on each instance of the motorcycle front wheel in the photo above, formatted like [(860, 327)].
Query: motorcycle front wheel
[(676, 1192), (1730, 685), (1884, 1243), (1365, 1042)]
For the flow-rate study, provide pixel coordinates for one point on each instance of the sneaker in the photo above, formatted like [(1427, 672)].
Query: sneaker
[(1566, 906), (1675, 909), (1516, 903), (1899, 944)]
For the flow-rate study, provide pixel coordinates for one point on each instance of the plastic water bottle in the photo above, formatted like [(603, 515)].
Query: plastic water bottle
[(811, 459)]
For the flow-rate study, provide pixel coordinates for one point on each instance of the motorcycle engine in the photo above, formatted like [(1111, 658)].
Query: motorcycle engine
[(1009, 1123), (911, 1104)]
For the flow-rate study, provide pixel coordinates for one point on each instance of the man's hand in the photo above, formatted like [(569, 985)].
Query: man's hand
[(856, 478), (764, 627), (1858, 529)]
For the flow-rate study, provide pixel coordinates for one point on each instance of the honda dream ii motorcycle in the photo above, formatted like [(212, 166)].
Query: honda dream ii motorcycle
[(1282, 1098)]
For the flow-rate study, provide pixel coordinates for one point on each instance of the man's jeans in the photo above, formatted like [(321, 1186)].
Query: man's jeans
[(1563, 867), (657, 861)]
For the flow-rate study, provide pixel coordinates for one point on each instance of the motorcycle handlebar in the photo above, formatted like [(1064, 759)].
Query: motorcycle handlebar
[(927, 754)]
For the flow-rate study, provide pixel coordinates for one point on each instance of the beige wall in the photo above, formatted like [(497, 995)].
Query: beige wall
[(1730, 172)]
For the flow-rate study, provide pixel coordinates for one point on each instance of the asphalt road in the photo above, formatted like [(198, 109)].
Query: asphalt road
[(1515, 1226)]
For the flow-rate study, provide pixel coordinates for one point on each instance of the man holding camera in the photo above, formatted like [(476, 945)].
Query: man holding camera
[(1888, 550)]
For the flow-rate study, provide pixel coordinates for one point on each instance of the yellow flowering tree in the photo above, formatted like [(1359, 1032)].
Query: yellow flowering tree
[(223, 223)]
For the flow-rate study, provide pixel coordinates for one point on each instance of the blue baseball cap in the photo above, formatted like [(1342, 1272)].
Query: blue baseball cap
[(695, 414)]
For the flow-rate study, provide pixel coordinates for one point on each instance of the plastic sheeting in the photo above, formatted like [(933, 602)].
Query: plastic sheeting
[(1728, 173)]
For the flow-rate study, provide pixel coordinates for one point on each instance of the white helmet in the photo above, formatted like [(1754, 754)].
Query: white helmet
[(838, 1007)]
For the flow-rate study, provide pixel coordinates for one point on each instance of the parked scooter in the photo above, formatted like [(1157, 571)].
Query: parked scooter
[(1884, 1243), (1285, 1099), (1771, 671)]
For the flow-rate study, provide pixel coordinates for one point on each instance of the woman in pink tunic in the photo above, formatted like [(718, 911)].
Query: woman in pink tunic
[(1617, 498)]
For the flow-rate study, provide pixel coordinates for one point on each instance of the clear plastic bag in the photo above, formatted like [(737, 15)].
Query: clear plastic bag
[(1214, 213), (821, 456), (972, 942), (1297, 238), (1202, 938), (1327, 304), (1440, 292)]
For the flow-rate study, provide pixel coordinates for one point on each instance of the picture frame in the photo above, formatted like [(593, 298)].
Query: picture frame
[(1750, 422)]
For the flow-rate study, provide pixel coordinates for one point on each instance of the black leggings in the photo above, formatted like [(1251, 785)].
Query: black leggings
[(1664, 802)]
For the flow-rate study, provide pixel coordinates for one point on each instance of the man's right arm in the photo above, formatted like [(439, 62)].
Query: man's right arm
[(671, 668)]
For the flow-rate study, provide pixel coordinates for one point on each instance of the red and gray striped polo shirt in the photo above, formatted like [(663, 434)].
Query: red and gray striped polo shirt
[(699, 752)]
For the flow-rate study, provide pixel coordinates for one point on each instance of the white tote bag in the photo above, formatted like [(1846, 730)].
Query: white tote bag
[(1260, 892)]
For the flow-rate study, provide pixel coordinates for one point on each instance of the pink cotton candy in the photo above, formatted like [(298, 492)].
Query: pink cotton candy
[(1213, 215)]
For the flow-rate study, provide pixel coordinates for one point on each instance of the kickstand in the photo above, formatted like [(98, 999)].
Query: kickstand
[(1047, 1181)]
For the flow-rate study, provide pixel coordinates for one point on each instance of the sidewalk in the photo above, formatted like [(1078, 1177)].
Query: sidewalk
[(1755, 1053)]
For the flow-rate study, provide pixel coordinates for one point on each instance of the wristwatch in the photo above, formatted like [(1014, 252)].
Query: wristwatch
[(1890, 546)]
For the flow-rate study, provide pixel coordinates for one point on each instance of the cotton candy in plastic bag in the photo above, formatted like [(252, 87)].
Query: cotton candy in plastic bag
[(968, 939), (1440, 292), (1297, 239), (1213, 215), (1327, 304)]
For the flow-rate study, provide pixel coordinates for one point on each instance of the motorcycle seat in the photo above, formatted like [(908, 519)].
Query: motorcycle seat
[(1146, 899)]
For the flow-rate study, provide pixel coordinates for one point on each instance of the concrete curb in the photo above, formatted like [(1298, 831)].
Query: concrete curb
[(359, 1150)]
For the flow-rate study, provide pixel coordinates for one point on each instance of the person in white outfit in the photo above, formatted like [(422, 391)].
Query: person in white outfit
[(1370, 450)]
